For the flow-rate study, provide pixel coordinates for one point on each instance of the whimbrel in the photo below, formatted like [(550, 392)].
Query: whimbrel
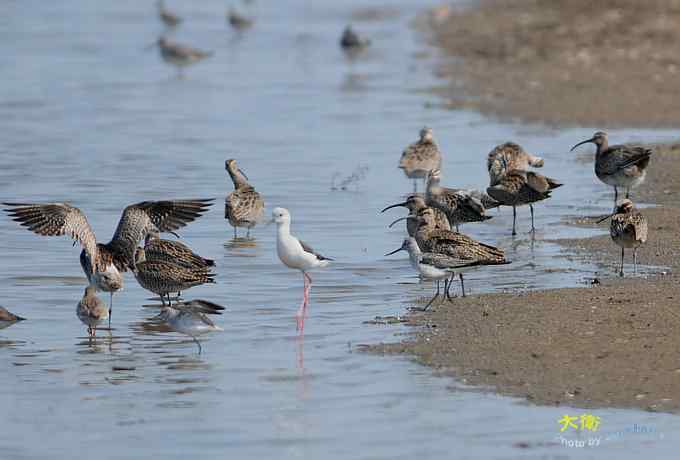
[(191, 318), (163, 278), (628, 229), (619, 165), (350, 40), (180, 56), (104, 263), (244, 207), (237, 20), (421, 157), (508, 157), (460, 206), (8, 318), (91, 310), (169, 18), (415, 203), (430, 266), (462, 251), (518, 188), (294, 253)]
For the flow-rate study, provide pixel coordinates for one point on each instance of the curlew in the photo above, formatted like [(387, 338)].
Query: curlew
[(619, 165), (415, 203), (180, 56), (244, 207)]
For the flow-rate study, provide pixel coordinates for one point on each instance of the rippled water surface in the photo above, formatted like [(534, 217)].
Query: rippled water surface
[(91, 117)]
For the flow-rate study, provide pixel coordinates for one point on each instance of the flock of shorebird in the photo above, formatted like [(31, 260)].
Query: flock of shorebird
[(181, 56), (436, 251)]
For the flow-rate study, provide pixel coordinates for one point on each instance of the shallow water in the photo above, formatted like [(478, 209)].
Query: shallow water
[(90, 117)]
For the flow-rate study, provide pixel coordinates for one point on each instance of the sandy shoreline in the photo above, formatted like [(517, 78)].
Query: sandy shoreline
[(609, 63), (613, 344)]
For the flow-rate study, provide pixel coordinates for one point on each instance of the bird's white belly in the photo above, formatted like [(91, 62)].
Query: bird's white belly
[(292, 255), (431, 272), (622, 180)]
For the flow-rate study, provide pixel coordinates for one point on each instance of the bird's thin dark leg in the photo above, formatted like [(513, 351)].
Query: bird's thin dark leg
[(623, 251), (627, 192), (415, 186), (462, 284), (248, 233), (200, 349), (635, 261), (433, 298), (110, 308), (616, 196), (533, 228), (235, 233), (514, 220), (448, 293)]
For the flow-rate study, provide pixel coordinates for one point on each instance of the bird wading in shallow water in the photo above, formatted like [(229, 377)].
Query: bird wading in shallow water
[(8, 318), (191, 318), (244, 207), (628, 229), (619, 165), (295, 254), (421, 157), (91, 310)]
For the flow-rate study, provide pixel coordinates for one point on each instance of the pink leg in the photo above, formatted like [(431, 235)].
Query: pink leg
[(300, 315), (309, 289)]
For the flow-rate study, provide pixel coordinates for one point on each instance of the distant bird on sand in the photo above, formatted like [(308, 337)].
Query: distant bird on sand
[(628, 229), (351, 40), (91, 310), (191, 318), (619, 165), (421, 157), (244, 207), (7, 318), (169, 18), (294, 253)]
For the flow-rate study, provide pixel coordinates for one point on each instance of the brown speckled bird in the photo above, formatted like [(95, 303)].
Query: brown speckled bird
[(180, 56), (628, 229), (518, 188), (162, 278), (91, 310), (459, 206), (415, 203), (157, 249), (619, 165), (103, 264), (508, 157), (237, 20), (244, 207), (8, 318), (421, 157), (462, 251)]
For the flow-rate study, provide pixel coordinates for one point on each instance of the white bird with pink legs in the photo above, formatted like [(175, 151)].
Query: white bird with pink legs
[(295, 254)]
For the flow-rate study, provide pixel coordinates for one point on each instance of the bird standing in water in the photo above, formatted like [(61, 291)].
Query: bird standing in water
[(295, 254)]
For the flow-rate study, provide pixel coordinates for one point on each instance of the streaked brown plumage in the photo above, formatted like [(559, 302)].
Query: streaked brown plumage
[(8, 318), (508, 157), (169, 18), (162, 278), (104, 263), (415, 203), (421, 157), (628, 229), (461, 251), (459, 206), (91, 310), (518, 188), (156, 249), (244, 207), (619, 165)]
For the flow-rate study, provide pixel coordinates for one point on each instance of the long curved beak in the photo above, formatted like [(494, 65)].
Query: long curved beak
[(581, 143), (394, 206), (244, 174), (400, 219), (175, 235), (394, 252), (606, 217)]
